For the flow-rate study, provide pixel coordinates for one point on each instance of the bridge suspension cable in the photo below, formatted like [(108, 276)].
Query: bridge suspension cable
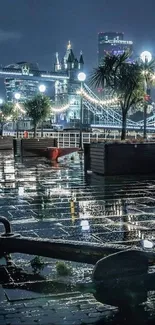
[(107, 110), (95, 100)]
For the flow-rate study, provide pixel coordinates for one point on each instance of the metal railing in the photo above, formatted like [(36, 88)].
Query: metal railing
[(70, 139)]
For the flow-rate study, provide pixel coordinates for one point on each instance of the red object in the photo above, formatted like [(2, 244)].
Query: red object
[(26, 134), (147, 97), (53, 153)]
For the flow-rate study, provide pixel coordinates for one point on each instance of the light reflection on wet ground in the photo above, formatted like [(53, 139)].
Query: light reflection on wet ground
[(35, 196)]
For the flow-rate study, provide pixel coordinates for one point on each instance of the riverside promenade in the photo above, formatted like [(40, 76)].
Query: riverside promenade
[(35, 196)]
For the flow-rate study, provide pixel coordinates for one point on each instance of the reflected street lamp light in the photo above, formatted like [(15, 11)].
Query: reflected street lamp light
[(81, 78), (42, 89), (146, 57), (17, 97)]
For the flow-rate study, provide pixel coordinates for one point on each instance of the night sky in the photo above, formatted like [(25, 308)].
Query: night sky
[(33, 30)]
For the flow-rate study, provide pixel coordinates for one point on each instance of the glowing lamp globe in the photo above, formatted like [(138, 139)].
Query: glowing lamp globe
[(1, 101), (146, 56), (17, 96), (82, 76), (42, 88)]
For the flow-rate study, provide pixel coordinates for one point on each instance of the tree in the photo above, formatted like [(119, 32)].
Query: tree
[(147, 69), (38, 109), (6, 114), (124, 80)]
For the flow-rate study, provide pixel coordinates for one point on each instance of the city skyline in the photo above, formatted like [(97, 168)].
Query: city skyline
[(34, 30)]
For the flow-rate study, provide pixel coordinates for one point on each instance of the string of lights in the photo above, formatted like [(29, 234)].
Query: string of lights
[(18, 106), (93, 100), (97, 101), (60, 109)]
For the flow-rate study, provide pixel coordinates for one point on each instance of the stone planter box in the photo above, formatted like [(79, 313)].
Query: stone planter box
[(31, 147), (6, 143), (120, 158)]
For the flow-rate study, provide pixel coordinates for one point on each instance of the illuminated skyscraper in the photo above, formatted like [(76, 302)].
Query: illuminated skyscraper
[(113, 43)]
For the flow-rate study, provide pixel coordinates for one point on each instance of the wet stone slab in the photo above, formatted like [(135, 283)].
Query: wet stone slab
[(35, 196)]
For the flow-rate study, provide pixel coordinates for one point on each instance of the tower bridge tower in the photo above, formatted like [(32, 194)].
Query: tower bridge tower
[(66, 91)]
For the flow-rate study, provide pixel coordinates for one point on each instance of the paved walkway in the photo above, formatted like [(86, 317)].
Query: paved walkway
[(79, 310), (35, 197)]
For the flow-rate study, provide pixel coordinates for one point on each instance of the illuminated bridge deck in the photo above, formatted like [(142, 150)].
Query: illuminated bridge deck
[(35, 197)]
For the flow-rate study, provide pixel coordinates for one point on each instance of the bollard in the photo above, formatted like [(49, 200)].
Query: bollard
[(7, 226), (8, 230), (72, 208)]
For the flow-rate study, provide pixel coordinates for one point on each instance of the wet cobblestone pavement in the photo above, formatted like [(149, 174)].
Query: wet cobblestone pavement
[(35, 196)]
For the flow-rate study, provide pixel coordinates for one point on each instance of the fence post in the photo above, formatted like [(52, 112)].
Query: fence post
[(69, 141), (63, 142), (58, 140), (75, 140)]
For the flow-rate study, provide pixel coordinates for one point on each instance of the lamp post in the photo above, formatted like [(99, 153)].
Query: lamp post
[(17, 97), (146, 57), (1, 102), (81, 78), (42, 89)]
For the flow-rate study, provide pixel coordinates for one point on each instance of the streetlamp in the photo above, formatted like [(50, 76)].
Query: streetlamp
[(17, 97), (81, 78), (42, 89), (1, 113), (146, 57)]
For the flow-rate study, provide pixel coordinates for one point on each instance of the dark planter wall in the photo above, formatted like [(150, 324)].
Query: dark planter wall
[(122, 158), (6, 143), (31, 147), (87, 161), (97, 158), (130, 159)]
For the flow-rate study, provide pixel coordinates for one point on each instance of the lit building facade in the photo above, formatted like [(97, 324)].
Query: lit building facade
[(27, 88), (112, 43)]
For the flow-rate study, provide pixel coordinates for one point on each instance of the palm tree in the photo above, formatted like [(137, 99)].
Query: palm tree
[(6, 113), (124, 80), (38, 109), (147, 69)]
